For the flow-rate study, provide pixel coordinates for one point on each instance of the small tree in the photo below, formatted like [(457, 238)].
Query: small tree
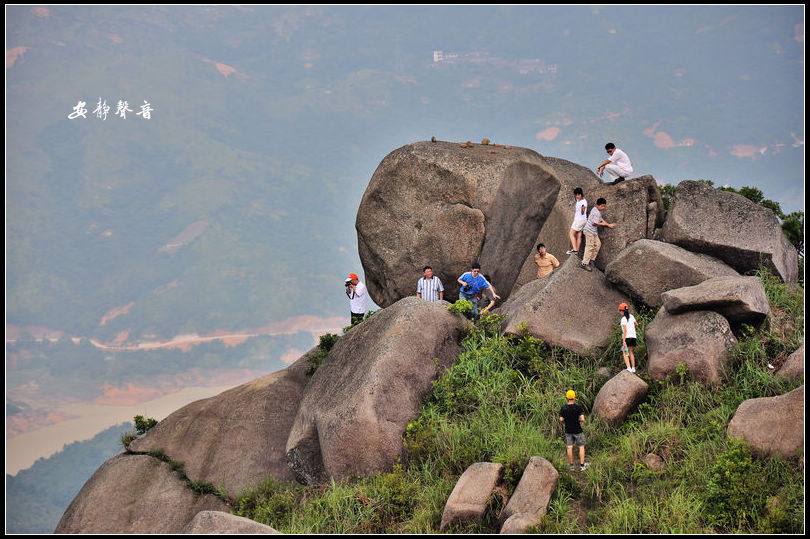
[(144, 424)]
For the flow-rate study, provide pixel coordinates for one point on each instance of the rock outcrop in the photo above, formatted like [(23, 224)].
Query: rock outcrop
[(441, 205), (739, 299), (217, 522), (793, 367), (571, 308), (773, 426), (618, 397), (730, 227), (237, 438), (647, 268), (134, 494), (359, 401), (554, 233), (530, 500), (700, 339), (470, 497), (637, 209), (654, 462)]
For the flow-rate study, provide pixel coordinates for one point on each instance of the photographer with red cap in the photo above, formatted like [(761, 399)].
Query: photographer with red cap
[(356, 292)]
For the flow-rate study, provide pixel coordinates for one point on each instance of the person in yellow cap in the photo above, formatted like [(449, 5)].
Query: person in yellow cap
[(356, 291), (572, 416)]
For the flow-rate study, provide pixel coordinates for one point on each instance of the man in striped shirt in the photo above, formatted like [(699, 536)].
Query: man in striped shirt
[(429, 287)]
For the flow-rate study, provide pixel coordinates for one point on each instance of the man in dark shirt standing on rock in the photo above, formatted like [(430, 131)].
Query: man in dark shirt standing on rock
[(572, 415)]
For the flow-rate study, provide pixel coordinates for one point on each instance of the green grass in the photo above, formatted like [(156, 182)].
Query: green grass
[(500, 401)]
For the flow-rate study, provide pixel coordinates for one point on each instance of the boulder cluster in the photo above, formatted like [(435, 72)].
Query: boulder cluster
[(471, 496), (435, 203)]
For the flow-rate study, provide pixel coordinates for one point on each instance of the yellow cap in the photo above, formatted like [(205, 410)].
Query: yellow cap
[(570, 394)]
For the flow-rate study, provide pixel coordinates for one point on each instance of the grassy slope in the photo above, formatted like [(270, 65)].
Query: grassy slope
[(500, 403)]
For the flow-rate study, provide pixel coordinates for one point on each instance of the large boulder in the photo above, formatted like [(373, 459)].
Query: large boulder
[(134, 494), (530, 500), (647, 268), (438, 204), (793, 367), (237, 438), (730, 227), (217, 522), (700, 339), (618, 397), (571, 308), (554, 233), (470, 497), (773, 426), (739, 299), (357, 406), (637, 209)]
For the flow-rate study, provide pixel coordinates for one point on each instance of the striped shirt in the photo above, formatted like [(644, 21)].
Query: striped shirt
[(593, 218), (429, 288)]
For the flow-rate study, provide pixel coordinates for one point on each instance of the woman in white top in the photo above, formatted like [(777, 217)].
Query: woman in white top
[(580, 217), (629, 324)]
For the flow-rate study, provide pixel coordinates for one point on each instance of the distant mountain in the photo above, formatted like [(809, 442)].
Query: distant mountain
[(234, 203), (37, 497)]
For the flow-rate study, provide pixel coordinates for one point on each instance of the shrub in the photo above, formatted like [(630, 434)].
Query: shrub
[(142, 425), (127, 437), (736, 492), (324, 346), (461, 306)]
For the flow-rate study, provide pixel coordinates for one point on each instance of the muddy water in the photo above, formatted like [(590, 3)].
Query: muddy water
[(23, 450)]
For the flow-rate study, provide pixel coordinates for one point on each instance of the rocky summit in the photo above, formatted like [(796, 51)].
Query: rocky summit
[(449, 205)]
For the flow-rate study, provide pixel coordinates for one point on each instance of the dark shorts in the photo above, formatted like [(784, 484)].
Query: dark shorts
[(571, 439), (631, 341), (357, 317)]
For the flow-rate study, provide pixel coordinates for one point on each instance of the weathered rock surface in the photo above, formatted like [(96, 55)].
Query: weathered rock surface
[(216, 522), (238, 437), (618, 397), (469, 499), (647, 268), (358, 403), (739, 299), (441, 205), (530, 500), (700, 339), (637, 209), (134, 494), (554, 233), (730, 227), (794, 365), (572, 308), (654, 462), (773, 426)]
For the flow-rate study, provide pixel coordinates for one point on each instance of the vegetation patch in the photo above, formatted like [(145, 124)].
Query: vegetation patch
[(326, 343), (500, 402)]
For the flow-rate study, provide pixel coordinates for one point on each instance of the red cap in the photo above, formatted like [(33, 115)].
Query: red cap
[(354, 276), (623, 306)]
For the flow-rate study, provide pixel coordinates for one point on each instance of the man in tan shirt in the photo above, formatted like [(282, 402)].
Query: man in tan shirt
[(546, 262)]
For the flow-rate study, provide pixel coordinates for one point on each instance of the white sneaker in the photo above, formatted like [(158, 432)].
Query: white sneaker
[(628, 369), (571, 252), (633, 369)]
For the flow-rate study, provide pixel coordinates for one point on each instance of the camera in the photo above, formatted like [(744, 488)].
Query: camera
[(348, 283)]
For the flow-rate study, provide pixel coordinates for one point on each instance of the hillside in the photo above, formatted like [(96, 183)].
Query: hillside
[(380, 422), (499, 403)]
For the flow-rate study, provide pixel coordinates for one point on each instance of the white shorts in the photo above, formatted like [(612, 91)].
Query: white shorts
[(578, 225)]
